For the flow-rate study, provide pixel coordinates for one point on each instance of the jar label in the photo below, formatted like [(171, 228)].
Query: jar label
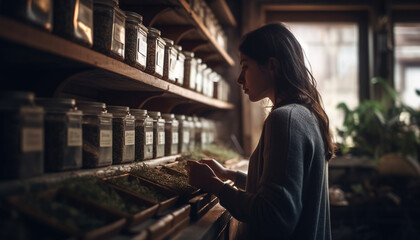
[(32, 140), (129, 137), (161, 137), (74, 137), (141, 48), (160, 54), (149, 138), (175, 138), (105, 138), (186, 138)]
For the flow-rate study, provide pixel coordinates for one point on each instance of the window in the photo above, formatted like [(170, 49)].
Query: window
[(407, 62), (332, 52)]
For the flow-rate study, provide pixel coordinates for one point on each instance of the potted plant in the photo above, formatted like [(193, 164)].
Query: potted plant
[(385, 130)]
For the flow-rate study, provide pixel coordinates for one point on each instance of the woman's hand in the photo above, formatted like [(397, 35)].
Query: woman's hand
[(202, 176), (220, 171)]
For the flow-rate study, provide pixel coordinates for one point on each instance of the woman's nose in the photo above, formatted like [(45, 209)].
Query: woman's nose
[(241, 78)]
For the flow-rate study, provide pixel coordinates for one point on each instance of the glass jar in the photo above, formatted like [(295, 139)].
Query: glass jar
[(97, 134), (109, 28), (191, 145), (212, 132), (136, 41), (204, 132), (63, 134), (206, 81), (171, 134), (213, 79), (158, 134), (199, 77), (155, 53), (144, 134), (183, 133), (169, 63), (179, 66), (123, 134), (190, 70), (198, 127), (38, 13), (73, 19), (22, 136)]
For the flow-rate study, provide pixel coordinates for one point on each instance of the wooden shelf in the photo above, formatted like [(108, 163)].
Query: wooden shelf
[(222, 12), (203, 29), (120, 75)]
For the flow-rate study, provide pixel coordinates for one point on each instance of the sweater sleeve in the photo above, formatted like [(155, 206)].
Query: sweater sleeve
[(240, 180), (275, 208)]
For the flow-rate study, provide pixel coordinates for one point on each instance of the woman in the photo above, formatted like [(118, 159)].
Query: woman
[(285, 193)]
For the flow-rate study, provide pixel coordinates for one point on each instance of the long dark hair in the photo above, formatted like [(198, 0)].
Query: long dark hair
[(294, 82)]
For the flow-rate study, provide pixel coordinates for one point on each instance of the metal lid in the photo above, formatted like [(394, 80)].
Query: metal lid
[(17, 95), (189, 118), (168, 116), (168, 41), (112, 3), (154, 32), (199, 60), (188, 54), (82, 104), (56, 102), (180, 117), (117, 109), (133, 17), (154, 114), (178, 47), (138, 111)]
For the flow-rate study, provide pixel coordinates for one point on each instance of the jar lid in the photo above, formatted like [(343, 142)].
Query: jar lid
[(112, 3), (154, 114), (82, 104), (116, 109), (168, 41), (178, 47), (168, 116), (17, 95), (56, 102), (188, 54), (138, 111), (154, 32), (199, 60), (180, 117), (133, 16), (189, 118)]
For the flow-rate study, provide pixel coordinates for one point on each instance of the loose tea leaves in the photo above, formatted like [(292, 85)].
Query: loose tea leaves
[(134, 184)]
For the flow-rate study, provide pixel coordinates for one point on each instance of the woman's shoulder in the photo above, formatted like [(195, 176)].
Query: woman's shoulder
[(290, 110)]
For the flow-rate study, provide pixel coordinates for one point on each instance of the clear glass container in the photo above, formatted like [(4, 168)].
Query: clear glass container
[(63, 134), (123, 134), (97, 134), (199, 77), (212, 132), (171, 134), (198, 130), (183, 133), (135, 41), (73, 19), (191, 145), (190, 70), (206, 81), (169, 63), (213, 79), (155, 53), (109, 28), (179, 66), (22, 136), (158, 134), (204, 132), (38, 13), (144, 134)]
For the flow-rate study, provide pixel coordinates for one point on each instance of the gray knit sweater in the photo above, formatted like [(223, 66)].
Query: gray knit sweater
[(286, 192)]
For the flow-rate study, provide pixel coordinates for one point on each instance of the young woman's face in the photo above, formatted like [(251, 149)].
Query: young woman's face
[(256, 80)]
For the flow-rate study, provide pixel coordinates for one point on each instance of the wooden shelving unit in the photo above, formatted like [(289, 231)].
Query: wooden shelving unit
[(222, 12), (108, 73)]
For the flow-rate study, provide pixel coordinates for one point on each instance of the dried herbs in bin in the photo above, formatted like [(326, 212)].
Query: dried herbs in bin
[(94, 190), (177, 183)]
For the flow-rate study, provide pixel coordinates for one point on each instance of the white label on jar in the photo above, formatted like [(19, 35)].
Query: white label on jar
[(175, 138), (161, 137), (129, 137), (149, 138), (105, 138), (141, 49), (186, 138), (160, 55), (74, 137), (32, 139)]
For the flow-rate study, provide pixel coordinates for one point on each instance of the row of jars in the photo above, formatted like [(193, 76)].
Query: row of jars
[(54, 134), (204, 12), (121, 35)]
